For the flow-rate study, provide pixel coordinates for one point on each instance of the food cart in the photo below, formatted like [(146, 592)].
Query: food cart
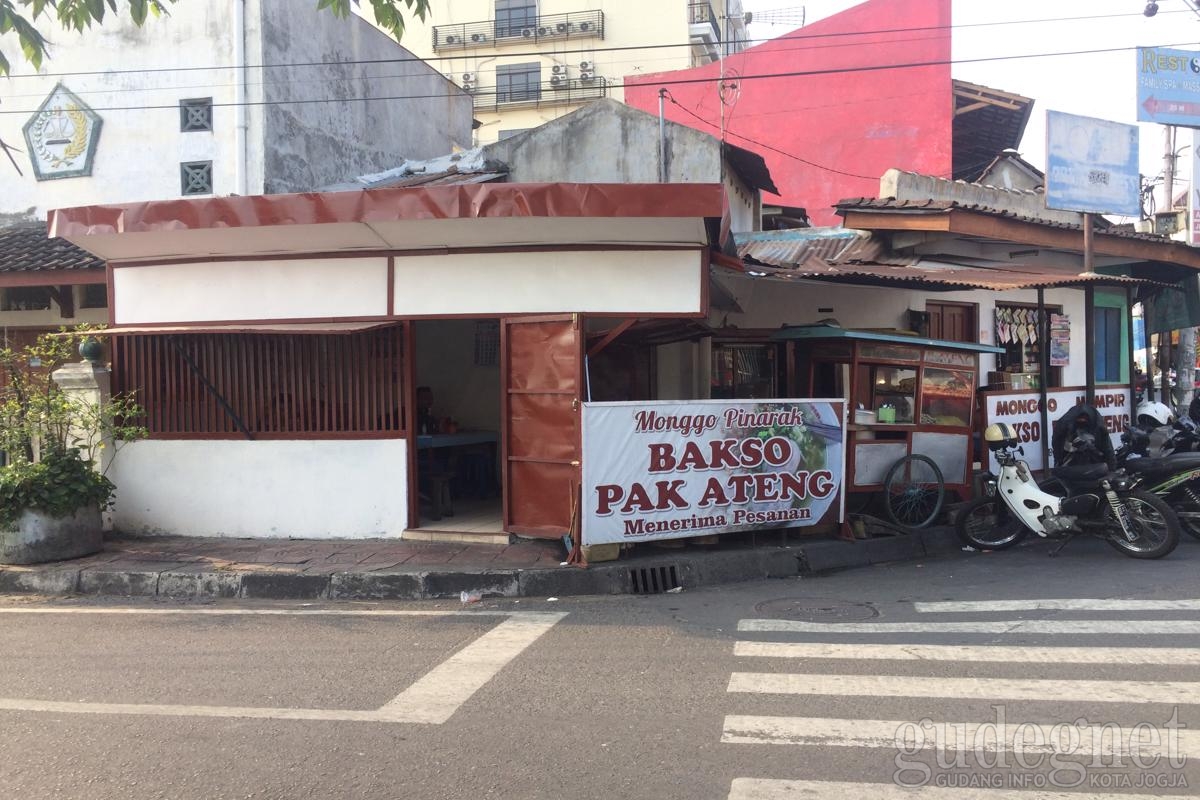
[(911, 405)]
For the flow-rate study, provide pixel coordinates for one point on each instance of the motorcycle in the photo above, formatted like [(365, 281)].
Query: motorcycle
[(1165, 461), (1102, 503)]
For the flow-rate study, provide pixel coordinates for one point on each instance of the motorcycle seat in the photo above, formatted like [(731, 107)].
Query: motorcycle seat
[(1080, 473), (1177, 462)]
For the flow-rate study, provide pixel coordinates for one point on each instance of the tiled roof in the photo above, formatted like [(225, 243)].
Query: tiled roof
[(942, 206), (27, 248)]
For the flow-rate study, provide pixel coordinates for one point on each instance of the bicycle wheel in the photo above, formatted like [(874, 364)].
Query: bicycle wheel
[(914, 491)]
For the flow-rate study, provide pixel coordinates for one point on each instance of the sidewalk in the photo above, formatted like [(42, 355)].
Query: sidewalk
[(391, 569)]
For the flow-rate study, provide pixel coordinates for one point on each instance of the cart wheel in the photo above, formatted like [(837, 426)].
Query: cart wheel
[(914, 491)]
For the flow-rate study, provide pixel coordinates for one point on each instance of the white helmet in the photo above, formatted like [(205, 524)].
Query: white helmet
[(1155, 413)]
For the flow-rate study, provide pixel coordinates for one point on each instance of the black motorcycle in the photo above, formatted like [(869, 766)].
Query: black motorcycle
[(1165, 462)]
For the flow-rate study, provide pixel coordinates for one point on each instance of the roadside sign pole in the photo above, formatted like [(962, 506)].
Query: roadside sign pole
[(1089, 311)]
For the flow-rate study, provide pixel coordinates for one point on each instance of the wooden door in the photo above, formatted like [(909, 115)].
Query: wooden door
[(951, 322), (542, 376)]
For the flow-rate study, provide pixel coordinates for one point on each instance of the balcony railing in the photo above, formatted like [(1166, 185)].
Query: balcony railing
[(700, 13), (490, 33), (565, 92)]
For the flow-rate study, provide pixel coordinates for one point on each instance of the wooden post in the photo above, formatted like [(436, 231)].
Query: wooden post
[(1044, 375)]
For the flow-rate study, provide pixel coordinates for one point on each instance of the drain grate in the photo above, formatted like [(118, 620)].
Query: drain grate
[(817, 609), (654, 580)]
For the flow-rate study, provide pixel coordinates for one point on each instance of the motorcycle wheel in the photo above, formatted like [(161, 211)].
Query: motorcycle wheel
[(1153, 521), (1190, 525), (985, 523)]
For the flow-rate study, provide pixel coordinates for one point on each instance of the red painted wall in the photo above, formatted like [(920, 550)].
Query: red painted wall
[(840, 116)]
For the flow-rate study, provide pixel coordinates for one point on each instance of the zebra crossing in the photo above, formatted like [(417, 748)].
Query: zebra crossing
[(807, 671)]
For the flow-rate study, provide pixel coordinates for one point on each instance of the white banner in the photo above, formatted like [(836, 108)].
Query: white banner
[(670, 470), (1024, 413)]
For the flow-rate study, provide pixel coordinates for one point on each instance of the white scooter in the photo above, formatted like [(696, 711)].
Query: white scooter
[(1094, 501)]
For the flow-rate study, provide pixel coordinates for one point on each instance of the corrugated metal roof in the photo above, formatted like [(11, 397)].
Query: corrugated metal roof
[(936, 276), (27, 248), (816, 246), (942, 206)]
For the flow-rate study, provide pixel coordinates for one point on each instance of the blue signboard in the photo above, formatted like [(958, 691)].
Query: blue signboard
[(1168, 86), (1092, 165)]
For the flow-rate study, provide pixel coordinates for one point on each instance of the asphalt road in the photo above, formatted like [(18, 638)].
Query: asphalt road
[(774, 689)]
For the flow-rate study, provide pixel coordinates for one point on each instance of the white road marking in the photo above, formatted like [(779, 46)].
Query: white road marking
[(982, 653), (1085, 740), (439, 693), (978, 606), (761, 789), (260, 612), (1168, 692), (433, 699), (1071, 626)]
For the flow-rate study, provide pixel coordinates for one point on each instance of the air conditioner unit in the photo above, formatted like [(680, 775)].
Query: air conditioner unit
[(478, 37), (586, 66), (468, 77), (585, 26), (558, 81), (587, 72), (558, 69), (545, 30), (563, 27), (527, 33), (451, 39)]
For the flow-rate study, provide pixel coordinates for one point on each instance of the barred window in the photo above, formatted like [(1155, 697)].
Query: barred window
[(306, 386)]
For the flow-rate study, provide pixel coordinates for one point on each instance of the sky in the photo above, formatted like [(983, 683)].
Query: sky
[(1099, 85)]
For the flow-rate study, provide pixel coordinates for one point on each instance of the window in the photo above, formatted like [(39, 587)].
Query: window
[(487, 343), (518, 82), (95, 295), (743, 371), (195, 177), (27, 298), (195, 114), (1108, 345), (513, 17)]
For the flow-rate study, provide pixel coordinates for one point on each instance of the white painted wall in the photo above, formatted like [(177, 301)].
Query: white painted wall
[(140, 145), (664, 281), (352, 489), (771, 304), (242, 290)]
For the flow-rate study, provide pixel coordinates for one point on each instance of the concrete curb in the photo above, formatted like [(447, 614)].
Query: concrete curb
[(645, 575)]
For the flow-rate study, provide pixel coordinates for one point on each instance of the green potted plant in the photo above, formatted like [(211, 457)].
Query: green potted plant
[(52, 492)]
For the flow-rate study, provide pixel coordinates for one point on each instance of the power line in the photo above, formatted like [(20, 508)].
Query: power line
[(581, 51), (765, 146), (643, 84)]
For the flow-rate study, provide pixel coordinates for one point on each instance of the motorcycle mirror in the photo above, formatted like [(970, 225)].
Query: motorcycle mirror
[(1021, 449)]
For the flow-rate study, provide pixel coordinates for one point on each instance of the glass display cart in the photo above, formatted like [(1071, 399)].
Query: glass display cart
[(911, 411)]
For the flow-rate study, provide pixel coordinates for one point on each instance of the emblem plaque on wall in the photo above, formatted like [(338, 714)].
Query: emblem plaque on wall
[(62, 136)]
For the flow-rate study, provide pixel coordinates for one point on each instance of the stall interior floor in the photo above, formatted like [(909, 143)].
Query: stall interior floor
[(471, 515)]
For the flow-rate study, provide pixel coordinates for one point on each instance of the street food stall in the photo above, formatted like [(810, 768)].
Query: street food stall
[(911, 408)]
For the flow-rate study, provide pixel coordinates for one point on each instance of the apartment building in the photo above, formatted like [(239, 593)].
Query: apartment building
[(527, 62)]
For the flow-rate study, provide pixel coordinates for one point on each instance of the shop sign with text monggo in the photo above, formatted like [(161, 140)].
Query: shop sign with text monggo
[(670, 470)]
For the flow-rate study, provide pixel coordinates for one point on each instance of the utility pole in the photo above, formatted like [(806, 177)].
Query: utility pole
[(1183, 357)]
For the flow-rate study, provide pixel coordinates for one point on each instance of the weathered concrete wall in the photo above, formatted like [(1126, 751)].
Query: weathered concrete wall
[(1022, 202), (606, 142), (308, 145)]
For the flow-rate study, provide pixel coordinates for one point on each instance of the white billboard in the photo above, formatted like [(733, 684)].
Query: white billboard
[(671, 470), (1092, 165)]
